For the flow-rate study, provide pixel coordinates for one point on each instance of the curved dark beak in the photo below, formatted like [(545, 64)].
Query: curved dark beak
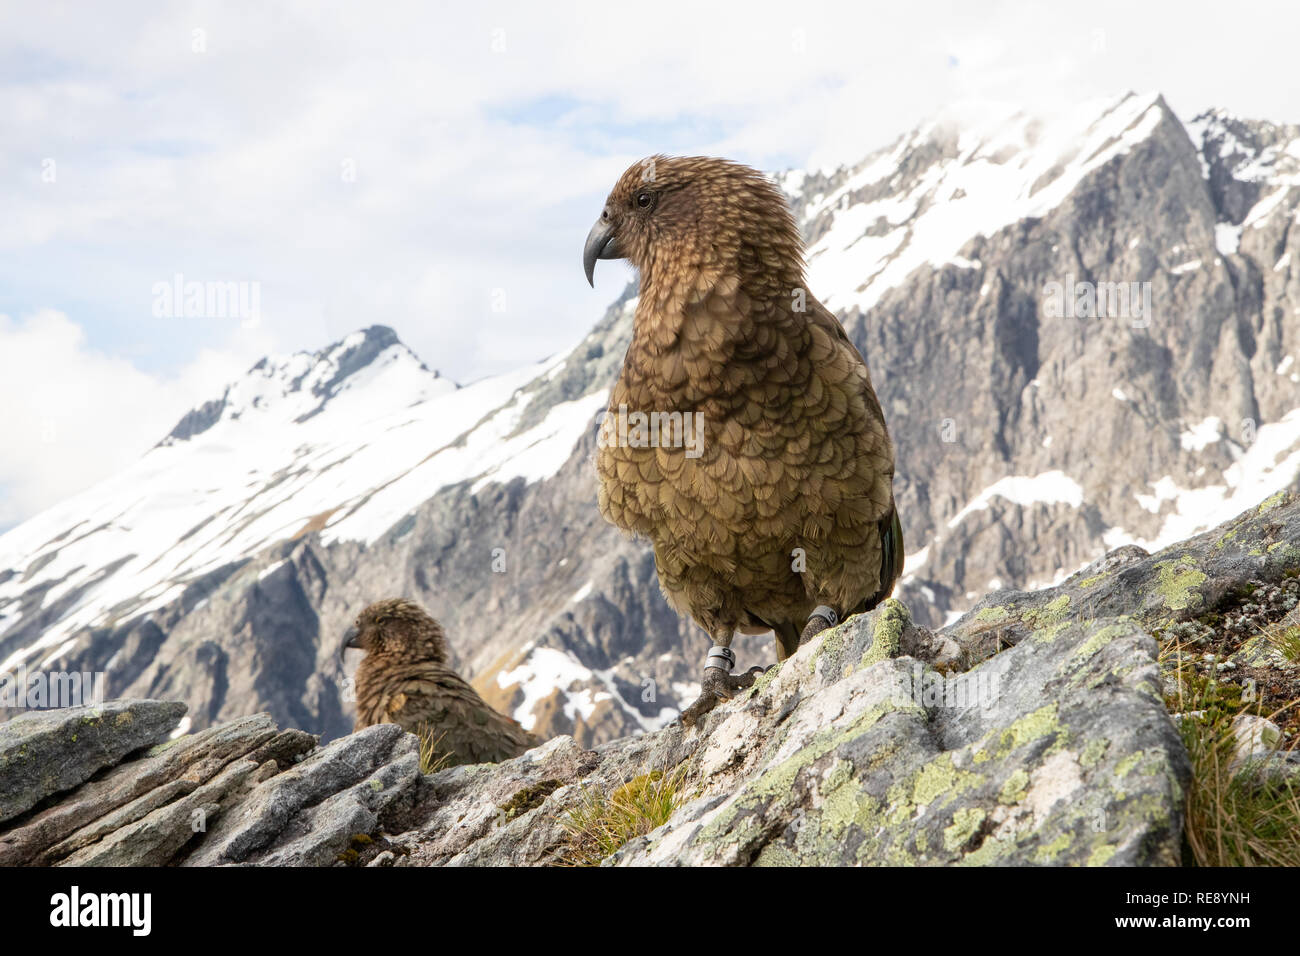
[(351, 639), (600, 245)]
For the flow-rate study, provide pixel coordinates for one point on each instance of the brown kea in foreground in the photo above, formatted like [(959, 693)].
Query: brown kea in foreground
[(404, 680), (781, 515)]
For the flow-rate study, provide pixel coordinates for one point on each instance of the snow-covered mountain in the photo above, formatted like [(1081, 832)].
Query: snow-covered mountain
[(222, 567), (341, 443)]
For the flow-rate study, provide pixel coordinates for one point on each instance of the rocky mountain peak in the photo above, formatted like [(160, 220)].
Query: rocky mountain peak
[(302, 384)]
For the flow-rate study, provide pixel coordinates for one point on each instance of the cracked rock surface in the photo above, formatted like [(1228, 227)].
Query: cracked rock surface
[(1031, 731)]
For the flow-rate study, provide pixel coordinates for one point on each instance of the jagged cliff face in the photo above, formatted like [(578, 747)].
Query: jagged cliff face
[(1033, 431), (1028, 439)]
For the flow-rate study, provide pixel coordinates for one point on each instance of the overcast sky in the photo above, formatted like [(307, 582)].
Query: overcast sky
[(436, 168)]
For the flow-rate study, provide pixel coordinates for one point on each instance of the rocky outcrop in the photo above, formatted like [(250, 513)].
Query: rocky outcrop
[(45, 752), (1028, 443), (238, 792), (1034, 730), (1059, 753)]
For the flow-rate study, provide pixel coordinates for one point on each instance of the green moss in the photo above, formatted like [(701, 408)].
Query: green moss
[(887, 635), (991, 615), (1051, 613), (1045, 635), (1103, 636), (1054, 849), (1125, 766), (845, 803), (990, 851), (1270, 503), (966, 822), (1101, 855), (1090, 582), (777, 854), (1033, 726), (1093, 753), (528, 798), (764, 679), (832, 643), (939, 777), (1015, 788), (737, 821), (1177, 582)]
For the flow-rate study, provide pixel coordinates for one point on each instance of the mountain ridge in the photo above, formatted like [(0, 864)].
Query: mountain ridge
[(1028, 445)]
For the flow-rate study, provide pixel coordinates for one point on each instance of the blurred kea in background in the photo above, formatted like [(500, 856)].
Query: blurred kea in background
[(404, 679), (780, 515)]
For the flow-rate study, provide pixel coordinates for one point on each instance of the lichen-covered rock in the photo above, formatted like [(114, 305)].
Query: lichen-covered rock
[(154, 839), (1177, 586), (1058, 750), (131, 790), (1031, 731), (308, 814), (45, 752), (1055, 751), (236, 792)]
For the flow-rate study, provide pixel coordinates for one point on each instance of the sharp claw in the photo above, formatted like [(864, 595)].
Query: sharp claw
[(703, 704), (718, 686)]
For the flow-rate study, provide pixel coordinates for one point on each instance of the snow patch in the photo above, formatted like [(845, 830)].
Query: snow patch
[(1050, 487), (544, 671), (1205, 433), (1227, 238), (1009, 166)]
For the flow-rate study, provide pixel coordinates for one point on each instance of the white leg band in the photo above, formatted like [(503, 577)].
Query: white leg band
[(723, 658), (827, 614)]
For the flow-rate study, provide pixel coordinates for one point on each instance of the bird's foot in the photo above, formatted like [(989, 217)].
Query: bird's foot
[(822, 617), (718, 686)]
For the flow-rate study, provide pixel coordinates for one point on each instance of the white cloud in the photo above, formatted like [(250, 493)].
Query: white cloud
[(73, 415), (483, 140)]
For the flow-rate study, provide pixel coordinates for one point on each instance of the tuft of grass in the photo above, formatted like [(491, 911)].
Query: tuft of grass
[(601, 824), (1286, 641), (1194, 691), (432, 757), (1235, 817)]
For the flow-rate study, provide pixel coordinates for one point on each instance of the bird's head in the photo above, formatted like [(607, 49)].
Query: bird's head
[(699, 218), (397, 630)]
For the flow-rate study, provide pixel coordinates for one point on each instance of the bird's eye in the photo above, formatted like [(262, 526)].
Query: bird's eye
[(643, 199)]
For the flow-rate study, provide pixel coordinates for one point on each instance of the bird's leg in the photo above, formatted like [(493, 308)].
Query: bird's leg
[(719, 683), (819, 620)]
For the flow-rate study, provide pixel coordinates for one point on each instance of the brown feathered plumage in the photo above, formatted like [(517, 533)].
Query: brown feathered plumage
[(789, 505), (404, 679)]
